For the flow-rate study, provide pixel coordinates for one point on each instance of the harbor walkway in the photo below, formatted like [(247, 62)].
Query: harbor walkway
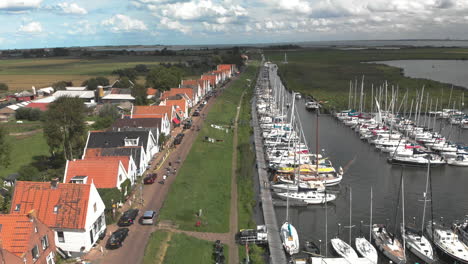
[(277, 254)]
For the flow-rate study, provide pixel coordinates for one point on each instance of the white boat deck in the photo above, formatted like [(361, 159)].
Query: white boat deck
[(318, 260)]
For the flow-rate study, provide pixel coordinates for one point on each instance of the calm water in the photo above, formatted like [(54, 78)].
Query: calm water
[(445, 71), (370, 169)]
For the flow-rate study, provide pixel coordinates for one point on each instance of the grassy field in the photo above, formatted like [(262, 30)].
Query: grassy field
[(21, 74), (23, 149), (325, 73), (181, 249), (204, 180)]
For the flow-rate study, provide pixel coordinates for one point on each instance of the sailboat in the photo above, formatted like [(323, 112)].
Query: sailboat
[(363, 246), (342, 248), (416, 242), (387, 243), (289, 234)]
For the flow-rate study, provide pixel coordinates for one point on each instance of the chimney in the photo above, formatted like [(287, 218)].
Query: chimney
[(54, 183), (32, 214)]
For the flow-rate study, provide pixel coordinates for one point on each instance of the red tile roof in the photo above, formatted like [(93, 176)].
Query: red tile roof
[(149, 116), (70, 199), (93, 152), (210, 78), (176, 91), (103, 171), (16, 232), (151, 91), (224, 67), (153, 110), (40, 106)]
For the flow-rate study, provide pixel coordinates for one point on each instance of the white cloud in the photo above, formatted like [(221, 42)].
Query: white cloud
[(83, 27), (175, 25), (19, 5), (123, 23), (32, 27), (72, 8)]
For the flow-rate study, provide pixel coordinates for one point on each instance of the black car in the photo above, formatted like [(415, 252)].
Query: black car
[(188, 124), (128, 217), (196, 113), (117, 238), (178, 139), (150, 179)]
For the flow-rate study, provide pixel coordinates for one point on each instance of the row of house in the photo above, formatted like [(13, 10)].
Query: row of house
[(67, 216)]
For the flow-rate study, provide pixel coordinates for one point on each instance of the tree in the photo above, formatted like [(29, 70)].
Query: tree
[(139, 92), (31, 114), (28, 173), (64, 126), (61, 85), (93, 83), (3, 87), (5, 149), (109, 110), (130, 73), (141, 68), (164, 78), (123, 82)]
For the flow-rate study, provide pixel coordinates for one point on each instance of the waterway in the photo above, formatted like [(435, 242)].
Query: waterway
[(445, 71), (371, 170)]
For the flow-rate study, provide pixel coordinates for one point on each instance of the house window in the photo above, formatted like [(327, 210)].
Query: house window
[(95, 207), (61, 236), (79, 179), (17, 207), (50, 258), (120, 177), (56, 209), (131, 142), (35, 253), (45, 242), (35, 229)]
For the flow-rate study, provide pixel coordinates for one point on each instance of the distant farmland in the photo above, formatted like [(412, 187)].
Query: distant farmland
[(22, 74)]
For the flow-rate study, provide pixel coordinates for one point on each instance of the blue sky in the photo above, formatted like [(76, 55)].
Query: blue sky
[(63, 23)]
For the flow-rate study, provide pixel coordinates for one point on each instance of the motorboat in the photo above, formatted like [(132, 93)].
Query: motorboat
[(462, 231), (301, 186), (312, 105), (459, 160), (388, 244), (448, 242), (418, 160)]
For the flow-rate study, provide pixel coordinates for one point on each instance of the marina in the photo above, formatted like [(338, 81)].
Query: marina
[(364, 166)]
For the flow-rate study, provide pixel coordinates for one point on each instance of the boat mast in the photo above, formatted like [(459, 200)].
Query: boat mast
[(370, 221), (350, 213), (350, 91), (403, 213), (425, 195)]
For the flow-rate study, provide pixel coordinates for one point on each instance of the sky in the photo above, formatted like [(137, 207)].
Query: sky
[(63, 23)]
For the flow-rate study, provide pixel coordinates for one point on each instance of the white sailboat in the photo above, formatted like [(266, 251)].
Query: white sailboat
[(416, 242), (342, 248), (363, 246), (289, 235), (308, 197)]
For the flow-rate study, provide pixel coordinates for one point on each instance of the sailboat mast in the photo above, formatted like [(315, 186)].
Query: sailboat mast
[(403, 211), (350, 212), (317, 142), (370, 221), (425, 195)]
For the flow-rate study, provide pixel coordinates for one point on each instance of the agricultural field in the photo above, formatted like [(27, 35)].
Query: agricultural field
[(325, 74), (22, 74)]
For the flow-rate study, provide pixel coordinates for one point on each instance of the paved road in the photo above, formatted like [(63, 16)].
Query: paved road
[(154, 196)]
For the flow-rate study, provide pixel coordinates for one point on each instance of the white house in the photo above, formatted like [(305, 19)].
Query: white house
[(75, 212)]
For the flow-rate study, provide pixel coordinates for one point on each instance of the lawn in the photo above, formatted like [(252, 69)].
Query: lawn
[(325, 73), (22, 74), (23, 149), (204, 180), (180, 249)]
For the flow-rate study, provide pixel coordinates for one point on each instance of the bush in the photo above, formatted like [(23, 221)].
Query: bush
[(31, 114), (28, 173), (93, 83), (61, 85), (109, 197), (3, 87)]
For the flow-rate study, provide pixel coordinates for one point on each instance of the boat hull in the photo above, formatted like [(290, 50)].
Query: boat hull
[(366, 250)]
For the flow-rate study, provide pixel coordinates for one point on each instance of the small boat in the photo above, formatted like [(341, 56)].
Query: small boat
[(290, 238), (418, 160), (298, 96), (308, 197), (460, 160), (448, 242), (462, 231), (343, 249), (388, 244), (366, 249), (301, 186), (311, 105)]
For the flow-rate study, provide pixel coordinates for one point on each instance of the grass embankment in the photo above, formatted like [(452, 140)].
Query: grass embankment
[(21, 74), (245, 174), (325, 73), (204, 180), (178, 248), (23, 150)]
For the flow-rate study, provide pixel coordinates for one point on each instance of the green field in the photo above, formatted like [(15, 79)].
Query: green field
[(325, 73), (21, 74), (23, 149), (204, 180), (181, 249)]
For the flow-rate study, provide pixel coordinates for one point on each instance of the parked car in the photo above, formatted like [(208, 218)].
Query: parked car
[(178, 138), (196, 113), (148, 218), (128, 217), (117, 238), (150, 178), (188, 124)]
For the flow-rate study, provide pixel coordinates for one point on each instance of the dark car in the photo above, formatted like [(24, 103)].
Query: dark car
[(150, 179), (117, 238), (178, 139), (196, 113), (188, 124), (128, 218)]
